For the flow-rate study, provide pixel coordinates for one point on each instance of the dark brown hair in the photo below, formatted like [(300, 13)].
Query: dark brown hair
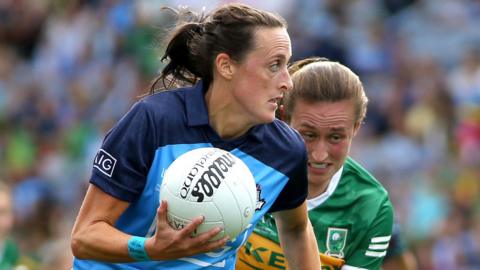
[(197, 40)]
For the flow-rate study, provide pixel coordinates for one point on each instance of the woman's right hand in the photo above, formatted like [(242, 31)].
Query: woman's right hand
[(168, 243)]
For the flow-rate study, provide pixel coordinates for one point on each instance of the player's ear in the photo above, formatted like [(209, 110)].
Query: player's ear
[(225, 65), (356, 127)]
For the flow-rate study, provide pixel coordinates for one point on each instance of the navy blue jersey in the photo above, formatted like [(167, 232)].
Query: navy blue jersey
[(159, 128)]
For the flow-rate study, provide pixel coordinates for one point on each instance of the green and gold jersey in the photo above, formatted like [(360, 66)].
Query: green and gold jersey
[(352, 221)]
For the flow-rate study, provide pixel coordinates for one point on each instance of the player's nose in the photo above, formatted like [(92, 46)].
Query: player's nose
[(318, 151), (286, 83)]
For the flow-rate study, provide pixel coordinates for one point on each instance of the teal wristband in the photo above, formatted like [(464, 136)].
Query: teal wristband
[(136, 248)]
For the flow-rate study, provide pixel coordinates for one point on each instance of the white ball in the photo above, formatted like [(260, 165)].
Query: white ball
[(213, 183)]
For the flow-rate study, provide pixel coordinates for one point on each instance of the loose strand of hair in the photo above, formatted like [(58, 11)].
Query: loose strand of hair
[(175, 75)]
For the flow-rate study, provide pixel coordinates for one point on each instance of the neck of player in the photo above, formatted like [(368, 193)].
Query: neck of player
[(227, 121)]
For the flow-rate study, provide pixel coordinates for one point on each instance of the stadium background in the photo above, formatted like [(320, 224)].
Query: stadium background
[(70, 69)]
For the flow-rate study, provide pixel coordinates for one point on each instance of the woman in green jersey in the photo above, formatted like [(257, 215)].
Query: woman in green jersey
[(349, 209)]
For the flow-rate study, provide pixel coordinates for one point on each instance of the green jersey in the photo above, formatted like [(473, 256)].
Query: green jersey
[(352, 221)]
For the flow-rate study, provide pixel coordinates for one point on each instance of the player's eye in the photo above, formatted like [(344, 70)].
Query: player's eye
[(274, 67), (308, 136), (336, 138)]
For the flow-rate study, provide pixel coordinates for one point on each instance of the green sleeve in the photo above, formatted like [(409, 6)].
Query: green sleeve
[(373, 247)]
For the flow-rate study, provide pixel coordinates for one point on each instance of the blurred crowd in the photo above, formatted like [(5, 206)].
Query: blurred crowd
[(70, 69)]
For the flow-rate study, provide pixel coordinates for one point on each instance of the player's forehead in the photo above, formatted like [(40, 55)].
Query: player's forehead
[(335, 116), (271, 42), (312, 126)]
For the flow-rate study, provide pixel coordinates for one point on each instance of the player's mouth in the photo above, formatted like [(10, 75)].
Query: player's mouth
[(275, 100), (318, 167)]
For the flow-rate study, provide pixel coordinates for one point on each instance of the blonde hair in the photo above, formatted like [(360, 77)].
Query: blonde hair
[(318, 79)]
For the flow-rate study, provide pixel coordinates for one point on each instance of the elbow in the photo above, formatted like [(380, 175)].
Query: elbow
[(77, 246), (298, 226)]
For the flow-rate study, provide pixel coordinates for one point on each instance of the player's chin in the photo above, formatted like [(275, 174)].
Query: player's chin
[(316, 179), (267, 116)]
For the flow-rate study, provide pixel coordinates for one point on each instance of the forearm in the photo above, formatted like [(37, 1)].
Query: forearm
[(101, 241), (301, 249), (94, 235)]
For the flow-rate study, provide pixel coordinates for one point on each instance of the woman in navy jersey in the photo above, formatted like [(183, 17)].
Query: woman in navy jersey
[(225, 74)]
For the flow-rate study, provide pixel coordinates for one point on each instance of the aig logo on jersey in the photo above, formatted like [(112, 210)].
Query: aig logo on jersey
[(104, 162)]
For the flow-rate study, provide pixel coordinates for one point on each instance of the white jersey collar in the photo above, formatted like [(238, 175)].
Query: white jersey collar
[(315, 202)]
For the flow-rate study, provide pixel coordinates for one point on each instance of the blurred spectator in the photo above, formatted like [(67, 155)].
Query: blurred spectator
[(11, 257), (9, 253), (465, 81)]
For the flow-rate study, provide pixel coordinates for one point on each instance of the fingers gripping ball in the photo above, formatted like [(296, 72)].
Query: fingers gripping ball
[(213, 183)]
